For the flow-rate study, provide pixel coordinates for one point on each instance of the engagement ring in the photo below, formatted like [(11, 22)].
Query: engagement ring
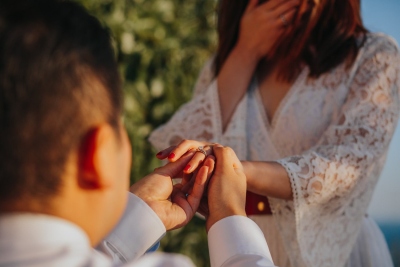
[(201, 149)]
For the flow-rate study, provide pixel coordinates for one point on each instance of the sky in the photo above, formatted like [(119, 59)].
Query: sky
[(384, 16)]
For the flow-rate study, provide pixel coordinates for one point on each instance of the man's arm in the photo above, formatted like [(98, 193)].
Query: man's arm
[(138, 230), (233, 239), (154, 206), (238, 241)]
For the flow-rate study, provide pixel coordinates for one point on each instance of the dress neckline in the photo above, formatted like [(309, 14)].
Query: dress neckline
[(270, 125)]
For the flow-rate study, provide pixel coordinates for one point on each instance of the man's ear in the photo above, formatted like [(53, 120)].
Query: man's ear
[(95, 157)]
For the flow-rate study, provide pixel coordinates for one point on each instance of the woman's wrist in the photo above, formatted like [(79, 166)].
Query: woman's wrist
[(248, 56), (246, 169), (251, 172), (267, 178)]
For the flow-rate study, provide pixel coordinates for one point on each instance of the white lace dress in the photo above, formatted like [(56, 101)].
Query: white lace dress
[(331, 134)]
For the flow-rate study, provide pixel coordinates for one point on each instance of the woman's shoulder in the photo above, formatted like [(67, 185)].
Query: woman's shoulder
[(205, 77), (209, 64), (378, 43)]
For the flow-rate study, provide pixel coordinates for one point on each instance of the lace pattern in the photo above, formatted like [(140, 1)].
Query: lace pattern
[(331, 135)]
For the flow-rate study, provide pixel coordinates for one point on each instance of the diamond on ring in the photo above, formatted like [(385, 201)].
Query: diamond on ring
[(201, 149), (284, 21)]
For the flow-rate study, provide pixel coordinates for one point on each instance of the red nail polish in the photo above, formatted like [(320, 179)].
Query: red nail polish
[(171, 156), (159, 153), (187, 167)]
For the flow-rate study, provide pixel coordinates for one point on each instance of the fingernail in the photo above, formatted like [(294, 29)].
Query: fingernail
[(159, 153), (187, 167), (171, 156)]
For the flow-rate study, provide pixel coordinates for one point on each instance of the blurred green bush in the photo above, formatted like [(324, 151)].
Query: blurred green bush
[(161, 46)]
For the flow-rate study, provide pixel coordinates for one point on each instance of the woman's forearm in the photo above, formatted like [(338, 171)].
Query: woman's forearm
[(268, 179), (233, 81)]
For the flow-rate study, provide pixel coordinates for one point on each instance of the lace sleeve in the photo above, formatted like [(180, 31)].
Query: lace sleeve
[(333, 182), (199, 119)]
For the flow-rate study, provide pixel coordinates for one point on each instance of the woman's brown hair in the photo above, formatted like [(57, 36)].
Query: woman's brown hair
[(322, 38)]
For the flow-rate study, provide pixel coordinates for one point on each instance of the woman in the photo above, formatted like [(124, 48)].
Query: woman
[(309, 100)]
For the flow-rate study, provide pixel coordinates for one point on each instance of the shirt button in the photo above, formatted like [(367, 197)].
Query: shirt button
[(260, 206)]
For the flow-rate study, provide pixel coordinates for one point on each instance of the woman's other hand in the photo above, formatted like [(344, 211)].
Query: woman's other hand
[(263, 24)]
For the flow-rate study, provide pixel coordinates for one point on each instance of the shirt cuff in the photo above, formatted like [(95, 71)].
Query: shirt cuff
[(234, 236), (138, 230)]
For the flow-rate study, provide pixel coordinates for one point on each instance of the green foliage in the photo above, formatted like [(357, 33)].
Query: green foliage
[(161, 46)]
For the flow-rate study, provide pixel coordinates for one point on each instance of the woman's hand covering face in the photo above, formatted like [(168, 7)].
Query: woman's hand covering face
[(262, 25)]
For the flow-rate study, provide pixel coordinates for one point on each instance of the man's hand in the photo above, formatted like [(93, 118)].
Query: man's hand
[(227, 187), (174, 204)]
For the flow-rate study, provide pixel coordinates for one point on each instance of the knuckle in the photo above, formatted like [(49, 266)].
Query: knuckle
[(157, 169), (218, 149), (185, 142), (229, 150)]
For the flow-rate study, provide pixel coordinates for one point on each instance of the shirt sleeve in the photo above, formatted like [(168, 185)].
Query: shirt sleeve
[(237, 241), (138, 230), (158, 259)]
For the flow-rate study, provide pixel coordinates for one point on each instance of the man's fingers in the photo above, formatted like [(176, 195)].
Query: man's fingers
[(226, 157), (189, 203), (203, 207), (198, 187), (186, 178)]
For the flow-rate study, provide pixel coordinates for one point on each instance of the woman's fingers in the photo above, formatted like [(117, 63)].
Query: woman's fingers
[(187, 177), (251, 6), (173, 153), (287, 18), (210, 162), (163, 154), (197, 159), (286, 7), (183, 147), (273, 5), (192, 165)]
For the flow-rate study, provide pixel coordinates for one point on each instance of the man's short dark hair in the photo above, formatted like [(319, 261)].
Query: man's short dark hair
[(58, 78)]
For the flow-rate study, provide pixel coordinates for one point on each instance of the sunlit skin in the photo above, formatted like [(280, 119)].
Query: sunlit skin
[(96, 186), (250, 57)]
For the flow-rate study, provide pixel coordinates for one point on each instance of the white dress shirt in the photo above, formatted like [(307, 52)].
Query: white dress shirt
[(41, 240)]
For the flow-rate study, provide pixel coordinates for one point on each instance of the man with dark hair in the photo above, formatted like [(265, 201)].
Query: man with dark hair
[(65, 157)]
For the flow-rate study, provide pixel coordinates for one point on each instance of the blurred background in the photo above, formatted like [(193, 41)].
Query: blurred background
[(161, 46)]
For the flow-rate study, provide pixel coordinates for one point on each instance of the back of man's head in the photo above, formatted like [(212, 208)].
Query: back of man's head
[(58, 79)]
